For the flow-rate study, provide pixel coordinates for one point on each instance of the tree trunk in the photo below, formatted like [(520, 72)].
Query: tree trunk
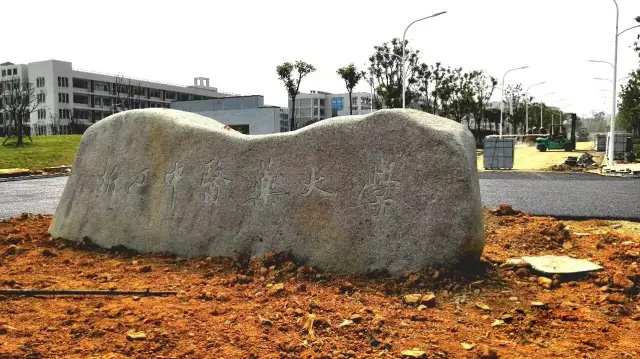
[(292, 126), (350, 106), (19, 132)]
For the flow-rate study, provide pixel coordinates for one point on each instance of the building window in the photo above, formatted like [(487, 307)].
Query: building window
[(81, 99), (63, 81), (42, 114), (100, 86), (15, 71), (4, 73), (41, 97), (337, 104)]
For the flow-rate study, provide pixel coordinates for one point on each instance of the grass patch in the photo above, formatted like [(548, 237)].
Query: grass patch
[(44, 151)]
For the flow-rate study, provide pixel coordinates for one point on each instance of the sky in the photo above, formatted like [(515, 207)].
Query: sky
[(238, 44)]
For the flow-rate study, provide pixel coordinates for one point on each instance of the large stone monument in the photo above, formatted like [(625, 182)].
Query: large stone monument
[(395, 190)]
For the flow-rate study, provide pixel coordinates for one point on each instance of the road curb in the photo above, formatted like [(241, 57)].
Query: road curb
[(23, 178)]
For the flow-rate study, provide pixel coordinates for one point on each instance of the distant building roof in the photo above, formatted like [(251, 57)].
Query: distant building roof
[(6, 64)]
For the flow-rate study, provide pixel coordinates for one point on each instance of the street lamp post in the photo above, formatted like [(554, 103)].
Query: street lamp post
[(502, 102), (403, 37), (541, 104), (526, 106), (612, 132)]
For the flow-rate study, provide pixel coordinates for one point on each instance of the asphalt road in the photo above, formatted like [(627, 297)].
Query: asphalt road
[(553, 194)]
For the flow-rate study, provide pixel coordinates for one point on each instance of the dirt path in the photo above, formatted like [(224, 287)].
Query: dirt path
[(277, 309)]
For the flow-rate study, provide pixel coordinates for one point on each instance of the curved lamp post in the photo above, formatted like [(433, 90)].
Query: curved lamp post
[(526, 105), (502, 102), (610, 150), (403, 37)]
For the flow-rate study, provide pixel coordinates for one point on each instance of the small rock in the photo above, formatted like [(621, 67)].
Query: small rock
[(482, 306), (414, 353), (567, 245), (616, 225), (182, 295), (507, 318), (4, 329), (136, 298), (538, 304), (222, 297), (264, 321), (412, 299), (522, 272), (617, 298), (429, 300), (307, 323), (346, 287), (301, 287), (13, 249), (48, 253), (545, 282), (132, 335), (497, 323), (345, 323), (513, 299), (255, 264), (357, 318), (145, 269), (620, 280), (276, 289), (467, 346), (422, 307), (487, 353)]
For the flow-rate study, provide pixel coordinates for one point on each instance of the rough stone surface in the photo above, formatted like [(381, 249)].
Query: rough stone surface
[(395, 190)]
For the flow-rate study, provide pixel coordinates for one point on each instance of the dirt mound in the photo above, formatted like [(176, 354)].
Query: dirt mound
[(275, 307)]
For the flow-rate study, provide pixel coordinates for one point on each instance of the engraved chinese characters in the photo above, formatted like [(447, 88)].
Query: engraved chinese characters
[(213, 182), (379, 193), (312, 186), (264, 190), (394, 190)]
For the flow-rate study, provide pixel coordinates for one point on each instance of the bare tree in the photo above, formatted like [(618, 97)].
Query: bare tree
[(18, 99), (54, 124), (127, 95)]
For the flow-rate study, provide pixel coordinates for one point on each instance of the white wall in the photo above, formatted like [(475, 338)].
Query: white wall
[(261, 121)]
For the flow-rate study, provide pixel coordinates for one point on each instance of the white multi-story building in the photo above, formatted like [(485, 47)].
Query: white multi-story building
[(247, 114), (319, 105), (71, 95)]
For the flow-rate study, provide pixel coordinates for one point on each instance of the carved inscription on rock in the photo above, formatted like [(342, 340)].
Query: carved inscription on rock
[(213, 181), (172, 179), (378, 194), (312, 187), (265, 190)]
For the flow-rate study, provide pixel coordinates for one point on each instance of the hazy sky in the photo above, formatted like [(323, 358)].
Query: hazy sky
[(239, 43)]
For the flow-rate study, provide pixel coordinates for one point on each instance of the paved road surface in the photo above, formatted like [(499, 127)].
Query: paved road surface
[(554, 194), (563, 195)]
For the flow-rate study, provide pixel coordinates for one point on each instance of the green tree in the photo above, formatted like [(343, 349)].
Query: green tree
[(18, 99), (514, 106), (386, 69), (351, 77), (483, 85), (463, 96), (629, 107), (291, 74)]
